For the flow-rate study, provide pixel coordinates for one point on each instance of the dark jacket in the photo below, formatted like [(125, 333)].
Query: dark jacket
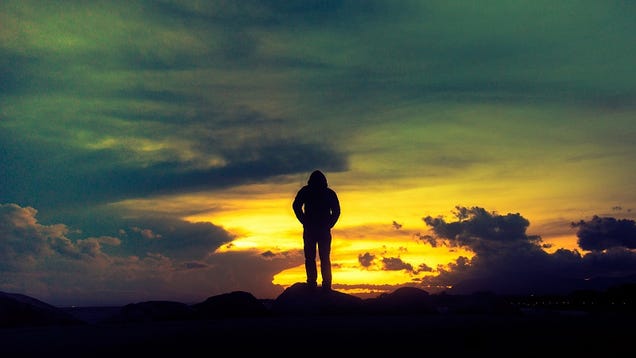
[(316, 205)]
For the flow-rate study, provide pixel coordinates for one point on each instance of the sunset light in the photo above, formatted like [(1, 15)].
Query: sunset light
[(154, 148)]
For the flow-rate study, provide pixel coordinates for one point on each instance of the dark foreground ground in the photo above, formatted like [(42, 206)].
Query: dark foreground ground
[(303, 323), (604, 334)]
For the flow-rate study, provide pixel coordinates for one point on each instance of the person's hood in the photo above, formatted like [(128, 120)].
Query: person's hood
[(317, 179)]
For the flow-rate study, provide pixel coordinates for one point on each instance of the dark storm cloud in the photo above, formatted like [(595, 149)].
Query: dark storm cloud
[(424, 268), (601, 233), (246, 165), (38, 174), (366, 259), (430, 239), (507, 260), (396, 264), (484, 231), (172, 237)]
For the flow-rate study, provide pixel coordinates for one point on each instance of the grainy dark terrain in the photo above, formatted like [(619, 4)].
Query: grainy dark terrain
[(309, 324), (310, 335)]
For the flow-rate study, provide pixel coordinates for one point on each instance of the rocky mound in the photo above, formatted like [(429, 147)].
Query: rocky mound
[(303, 299), (404, 300), (233, 304)]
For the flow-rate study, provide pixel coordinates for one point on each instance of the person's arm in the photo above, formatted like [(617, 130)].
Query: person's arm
[(297, 205), (335, 210)]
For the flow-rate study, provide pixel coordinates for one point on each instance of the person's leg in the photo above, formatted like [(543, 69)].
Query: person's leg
[(309, 246), (324, 250)]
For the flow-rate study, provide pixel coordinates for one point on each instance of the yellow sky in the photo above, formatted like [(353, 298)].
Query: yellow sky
[(262, 219)]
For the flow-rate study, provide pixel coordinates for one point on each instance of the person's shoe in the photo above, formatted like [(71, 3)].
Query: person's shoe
[(312, 285), (326, 288)]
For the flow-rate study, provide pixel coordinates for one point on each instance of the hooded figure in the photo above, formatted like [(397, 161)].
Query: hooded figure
[(317, 207)]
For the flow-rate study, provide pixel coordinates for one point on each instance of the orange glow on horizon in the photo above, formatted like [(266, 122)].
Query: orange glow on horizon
[(269, 225), (380, 229)]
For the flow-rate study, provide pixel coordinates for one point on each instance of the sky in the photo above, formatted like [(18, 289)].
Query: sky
[(150, 150)]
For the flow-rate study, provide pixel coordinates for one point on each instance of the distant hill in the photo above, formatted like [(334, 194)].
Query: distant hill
[(18, 310)]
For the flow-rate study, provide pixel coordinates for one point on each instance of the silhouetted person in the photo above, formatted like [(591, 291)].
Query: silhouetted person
[(317, 207)]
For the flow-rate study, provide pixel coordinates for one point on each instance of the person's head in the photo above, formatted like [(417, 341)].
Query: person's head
[(317, 179)]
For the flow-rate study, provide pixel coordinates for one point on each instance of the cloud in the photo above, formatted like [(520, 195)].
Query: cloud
[(601, 233), (424, 268), (193, 265), (104, 176), (396, 264), (509, 261), (431, 240), (23, 241), (146, 233), (102, 102), (172, 237), (366, 259), (485, 233), (92, 246), (149, 113), (46, 262), (268, 254)]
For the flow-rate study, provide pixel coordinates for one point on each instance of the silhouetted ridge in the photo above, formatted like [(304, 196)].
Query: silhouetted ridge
[(303, 299), (18, 310), (233, 304), (153, 311), (403, 300)]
